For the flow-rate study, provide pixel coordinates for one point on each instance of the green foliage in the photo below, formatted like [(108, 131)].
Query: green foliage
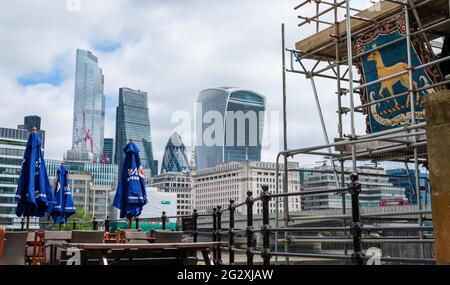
[(82, 218), (325, 234)]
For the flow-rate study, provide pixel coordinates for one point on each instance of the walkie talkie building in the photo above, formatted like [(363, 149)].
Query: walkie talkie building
[(234, 126)]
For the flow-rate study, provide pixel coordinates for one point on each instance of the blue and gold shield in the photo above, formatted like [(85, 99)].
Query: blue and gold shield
[(385, 62)]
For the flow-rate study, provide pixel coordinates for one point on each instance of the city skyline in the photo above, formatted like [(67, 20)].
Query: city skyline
[(148, 59)]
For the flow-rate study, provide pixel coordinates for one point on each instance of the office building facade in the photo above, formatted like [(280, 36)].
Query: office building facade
[(30, 122), (108, 150), (91, 184), (133, 122), (377, 190), (215, 186), (407, 180), (12, 148), (89, 109), (237, 115), (175, 182)]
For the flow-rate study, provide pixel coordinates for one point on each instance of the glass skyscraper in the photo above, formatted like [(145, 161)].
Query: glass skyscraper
[(108, 150), (31, 122), (243, 123), (133, 122), (175, 158), (89, 108)]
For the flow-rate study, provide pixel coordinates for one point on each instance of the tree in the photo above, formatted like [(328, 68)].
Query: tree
[(83, 221)]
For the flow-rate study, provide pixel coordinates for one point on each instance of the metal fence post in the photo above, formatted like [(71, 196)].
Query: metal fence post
[(219, 234), (107, 224), (74, 224), (249, 232), (265, 229), (356, 226), (163, 221), (137, 223), (232, 209), (194, 225), (94, 224), (214, 234)]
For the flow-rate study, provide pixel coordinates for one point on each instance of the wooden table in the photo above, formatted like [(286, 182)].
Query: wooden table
[(103, 249), (147, 239)]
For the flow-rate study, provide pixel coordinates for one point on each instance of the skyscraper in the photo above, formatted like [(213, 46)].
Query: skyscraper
[(238, 136), (89, 108), (175, 158), (31, 122), (108, 150), (133, 122)]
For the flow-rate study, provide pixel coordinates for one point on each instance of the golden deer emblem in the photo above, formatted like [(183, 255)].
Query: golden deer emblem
[(385, 71)]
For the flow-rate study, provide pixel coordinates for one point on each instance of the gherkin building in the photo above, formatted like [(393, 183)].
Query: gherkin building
[(175, 158)]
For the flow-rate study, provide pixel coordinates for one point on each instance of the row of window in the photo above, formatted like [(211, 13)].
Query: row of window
[(10, 161), (9, 180), (8, 190), (12, 152), (9, 170)]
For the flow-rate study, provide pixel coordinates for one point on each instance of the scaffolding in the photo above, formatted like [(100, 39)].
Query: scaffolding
[(329, 54)]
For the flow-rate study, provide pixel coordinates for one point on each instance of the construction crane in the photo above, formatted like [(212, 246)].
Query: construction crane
[(86, 136)]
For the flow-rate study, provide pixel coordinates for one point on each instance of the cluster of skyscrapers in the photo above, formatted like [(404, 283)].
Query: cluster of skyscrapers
[(224, 164)]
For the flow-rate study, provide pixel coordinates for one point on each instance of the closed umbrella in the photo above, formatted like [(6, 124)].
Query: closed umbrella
[(34, 194), (64, 206), (131, 195)]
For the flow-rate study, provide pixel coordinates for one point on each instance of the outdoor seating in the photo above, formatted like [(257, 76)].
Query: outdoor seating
[(54, 239), (109, 237), (87, 237), (14, 248), (35, 250), (136, 237), (121, 234), (168, 236)]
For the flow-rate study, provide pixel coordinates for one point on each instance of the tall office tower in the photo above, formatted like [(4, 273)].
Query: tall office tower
[(237, 137), (155, 167), (88, 110), (133, 122), (108, 150), (175, 158), (30, 122)]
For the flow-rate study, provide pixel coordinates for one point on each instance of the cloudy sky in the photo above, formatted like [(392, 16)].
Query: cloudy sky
[(172, 49)]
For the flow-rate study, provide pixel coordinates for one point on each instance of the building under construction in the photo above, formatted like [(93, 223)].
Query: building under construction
[(390, 56)]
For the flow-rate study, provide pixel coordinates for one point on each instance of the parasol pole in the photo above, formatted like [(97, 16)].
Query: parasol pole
[(27, 227), (130, 221)]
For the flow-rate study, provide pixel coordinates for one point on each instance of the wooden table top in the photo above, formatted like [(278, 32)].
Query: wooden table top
[(107, 246)]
